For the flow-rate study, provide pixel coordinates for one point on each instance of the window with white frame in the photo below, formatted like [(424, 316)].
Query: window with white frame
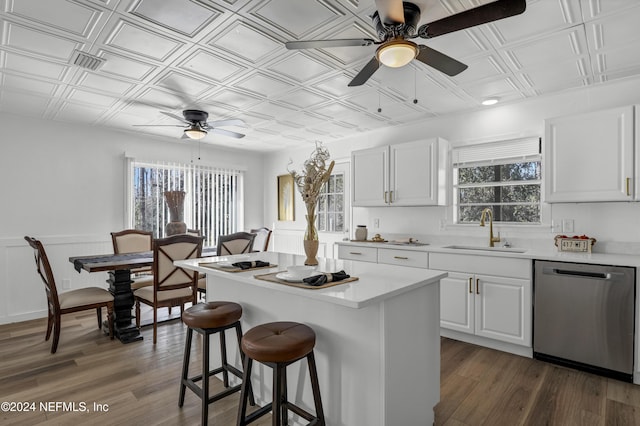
[(213, 200), (504, 176), (331, 204)]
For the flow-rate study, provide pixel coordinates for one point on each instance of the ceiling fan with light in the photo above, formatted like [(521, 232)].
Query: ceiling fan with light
[(396, 23), (196, 126)]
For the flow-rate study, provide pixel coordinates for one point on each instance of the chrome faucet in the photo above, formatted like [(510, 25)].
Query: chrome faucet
[(492, 239)]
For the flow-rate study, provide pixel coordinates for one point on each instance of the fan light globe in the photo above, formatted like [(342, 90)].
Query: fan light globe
[(397, 53), (195, 132)]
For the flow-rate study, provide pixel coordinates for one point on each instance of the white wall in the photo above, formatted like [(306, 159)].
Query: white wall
[(610, 223), (64, 184)]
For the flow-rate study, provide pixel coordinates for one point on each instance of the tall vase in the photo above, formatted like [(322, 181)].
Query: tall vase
[(175, 202), (311, 239)]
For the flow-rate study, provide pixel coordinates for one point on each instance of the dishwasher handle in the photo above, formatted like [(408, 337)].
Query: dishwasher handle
[(582, 274)]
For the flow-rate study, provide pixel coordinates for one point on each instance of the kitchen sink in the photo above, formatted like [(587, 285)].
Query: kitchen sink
[(481, 248)]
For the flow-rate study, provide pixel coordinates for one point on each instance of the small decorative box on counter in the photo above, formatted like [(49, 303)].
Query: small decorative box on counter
[(582, 243)]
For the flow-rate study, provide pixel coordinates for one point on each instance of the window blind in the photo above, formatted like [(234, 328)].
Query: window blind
[(213, 200), (496, 152)]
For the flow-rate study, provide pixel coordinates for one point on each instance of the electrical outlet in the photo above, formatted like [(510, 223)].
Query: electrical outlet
[(66, 284), (567, 225), (376, 223)]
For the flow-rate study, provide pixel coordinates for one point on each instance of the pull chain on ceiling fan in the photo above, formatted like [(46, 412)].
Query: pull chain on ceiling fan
[(396, 22)]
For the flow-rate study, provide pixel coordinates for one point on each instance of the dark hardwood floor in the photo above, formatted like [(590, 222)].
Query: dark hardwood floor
[(138, 383)]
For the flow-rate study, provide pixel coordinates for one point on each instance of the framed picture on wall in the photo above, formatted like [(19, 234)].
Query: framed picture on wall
[(285, 197)]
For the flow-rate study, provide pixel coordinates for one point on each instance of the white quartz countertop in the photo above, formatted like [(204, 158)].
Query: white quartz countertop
[(376, 282), (516, 252)]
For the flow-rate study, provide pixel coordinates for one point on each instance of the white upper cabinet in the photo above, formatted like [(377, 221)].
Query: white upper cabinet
[(404, 174), (589, 157)]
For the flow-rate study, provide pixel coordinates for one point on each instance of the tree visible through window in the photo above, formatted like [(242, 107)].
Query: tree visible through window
[(331, 205), (503, 176), (212, 203)]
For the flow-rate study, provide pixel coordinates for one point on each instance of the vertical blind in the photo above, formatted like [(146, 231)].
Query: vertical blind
[(213, 200)]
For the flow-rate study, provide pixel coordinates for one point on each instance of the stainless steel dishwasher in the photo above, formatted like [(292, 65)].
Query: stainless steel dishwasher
[(584, 317)]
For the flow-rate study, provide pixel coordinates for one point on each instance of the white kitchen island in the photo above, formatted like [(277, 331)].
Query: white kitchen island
[(378, 338)]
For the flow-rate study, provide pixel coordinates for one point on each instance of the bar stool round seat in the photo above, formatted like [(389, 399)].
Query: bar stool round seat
[(277, 345), (207, 319), (212, 314), (279, 342)]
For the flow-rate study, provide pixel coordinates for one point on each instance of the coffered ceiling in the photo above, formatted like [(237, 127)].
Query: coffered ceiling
[(228, 58)]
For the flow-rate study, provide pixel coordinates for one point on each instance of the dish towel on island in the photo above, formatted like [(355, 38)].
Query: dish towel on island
[(249, 265), (327, 277)]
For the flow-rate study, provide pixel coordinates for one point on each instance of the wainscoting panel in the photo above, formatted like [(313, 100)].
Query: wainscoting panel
[(21, 289), (291, 241)]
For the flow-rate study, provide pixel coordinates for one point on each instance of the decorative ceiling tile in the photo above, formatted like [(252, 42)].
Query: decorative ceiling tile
[(560, 46), (234, 99), (296, 17), (242, 40), (163, 99), (300, 67), (99, 82), (541, 17), (78, 113), (184, 16), (211, 66), (269, 109), (78, 19), (141, 41), (24, 104), (36, 67), (228, 58), (91, 98), (28, 84), (263, 85), (39, 42), (122, 66), (184, 84), (302, 99)]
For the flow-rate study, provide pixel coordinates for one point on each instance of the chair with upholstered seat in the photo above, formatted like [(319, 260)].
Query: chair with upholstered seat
[(261, 242), (81, 299), (172, 285), (236, 243), (133, 241)]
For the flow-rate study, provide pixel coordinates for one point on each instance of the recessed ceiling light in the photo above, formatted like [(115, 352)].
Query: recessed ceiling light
[(490, 101)]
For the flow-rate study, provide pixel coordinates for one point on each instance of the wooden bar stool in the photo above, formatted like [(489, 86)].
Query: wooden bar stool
[(207, 319), (277, 345)]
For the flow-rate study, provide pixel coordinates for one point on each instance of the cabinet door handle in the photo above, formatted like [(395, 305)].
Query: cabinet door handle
[(477, 285), (470, 283), (401, 257), (390, 197), (628, 186), (354, 252), (385, 196)]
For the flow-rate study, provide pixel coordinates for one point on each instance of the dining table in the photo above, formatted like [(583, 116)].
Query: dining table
[(119, 268)]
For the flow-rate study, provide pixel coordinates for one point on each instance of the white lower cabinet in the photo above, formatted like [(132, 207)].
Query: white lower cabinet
[(485, 305), (391, 256)]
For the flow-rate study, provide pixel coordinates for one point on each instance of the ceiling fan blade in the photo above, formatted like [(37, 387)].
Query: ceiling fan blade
[(486, 13), (230, 122), (440, 61), (177, 117), (227, 133), (158, 125), (391, 11), (366, 72), (318, 44)]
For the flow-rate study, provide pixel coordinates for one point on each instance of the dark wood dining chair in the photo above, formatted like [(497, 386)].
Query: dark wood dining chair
[(236, 243), (261, 242), (172, 285), (133, 241), (81, 299)]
